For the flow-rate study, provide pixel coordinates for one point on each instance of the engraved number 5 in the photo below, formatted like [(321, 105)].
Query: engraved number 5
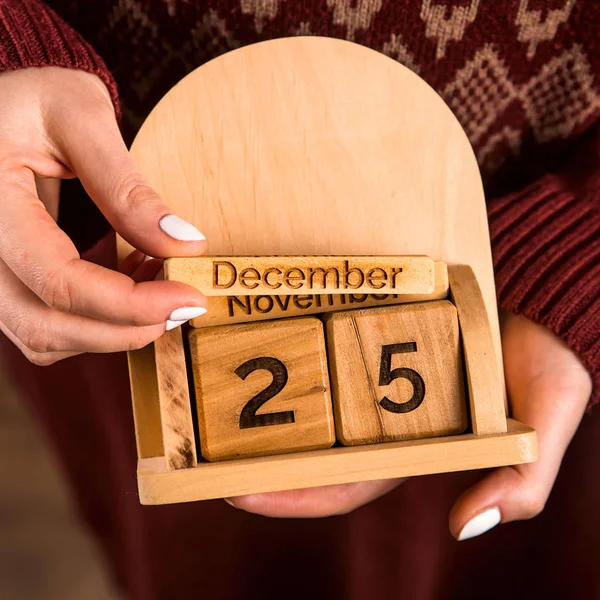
[(386, 376)]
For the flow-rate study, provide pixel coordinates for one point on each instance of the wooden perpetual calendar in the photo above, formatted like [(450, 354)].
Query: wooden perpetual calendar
[(352, 331)]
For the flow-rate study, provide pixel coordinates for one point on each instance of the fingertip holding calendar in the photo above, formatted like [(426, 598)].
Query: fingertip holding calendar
[(351, 331)]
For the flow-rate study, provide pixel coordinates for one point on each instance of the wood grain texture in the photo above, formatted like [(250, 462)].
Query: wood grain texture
[(174, 397), (146, 406), (396, 373), (314, 146), (336, 465), (484, 377), (262, 388), (225, 310), (300, 275)]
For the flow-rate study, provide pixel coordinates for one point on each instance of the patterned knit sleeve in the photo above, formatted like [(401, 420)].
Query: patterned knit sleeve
[(546, 248), (33, 35)]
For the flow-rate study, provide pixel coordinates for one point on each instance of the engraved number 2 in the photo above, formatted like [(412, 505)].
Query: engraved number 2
[(386, 376), (249, 418)]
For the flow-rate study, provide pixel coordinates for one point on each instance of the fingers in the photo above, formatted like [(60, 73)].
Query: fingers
[(54, 303), (45, 335), (549, 390), (315, 502), (41, 360), (132, 262), (95, 151), (46, 261)]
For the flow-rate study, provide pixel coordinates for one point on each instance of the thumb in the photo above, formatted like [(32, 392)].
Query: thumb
[(94, 150), (549, 390)]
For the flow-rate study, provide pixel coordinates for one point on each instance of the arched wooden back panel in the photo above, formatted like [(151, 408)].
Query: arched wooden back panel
[(311, 146)]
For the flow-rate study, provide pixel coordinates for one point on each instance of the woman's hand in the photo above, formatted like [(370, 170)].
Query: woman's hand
[(548, 389), (55, 124)]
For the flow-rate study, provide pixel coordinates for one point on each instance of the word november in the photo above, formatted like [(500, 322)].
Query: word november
[(299, 275), (266, 304)]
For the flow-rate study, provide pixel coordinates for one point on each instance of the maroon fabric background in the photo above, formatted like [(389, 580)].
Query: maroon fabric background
[(544, 222)]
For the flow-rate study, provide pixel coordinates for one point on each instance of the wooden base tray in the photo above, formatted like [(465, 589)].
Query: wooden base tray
[(157, 485)]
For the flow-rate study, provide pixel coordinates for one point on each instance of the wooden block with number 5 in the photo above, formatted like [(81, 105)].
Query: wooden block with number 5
[(262, 388), (396, 373)]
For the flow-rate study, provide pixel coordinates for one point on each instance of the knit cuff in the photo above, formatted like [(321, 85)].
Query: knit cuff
[(546, 249), (32, 35)]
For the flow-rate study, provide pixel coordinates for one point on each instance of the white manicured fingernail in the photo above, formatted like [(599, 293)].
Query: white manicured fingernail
[(179, 229), (185, 314), (173, 324), (480, 524), (230, 502)]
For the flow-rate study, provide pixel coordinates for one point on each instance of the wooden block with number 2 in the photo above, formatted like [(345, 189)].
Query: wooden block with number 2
[(262, 388), (396, 373)]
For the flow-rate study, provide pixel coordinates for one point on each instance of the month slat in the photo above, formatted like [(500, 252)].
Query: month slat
[(301, 275)]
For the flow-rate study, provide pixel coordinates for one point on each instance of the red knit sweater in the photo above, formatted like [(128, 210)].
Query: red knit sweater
[(522, 76)]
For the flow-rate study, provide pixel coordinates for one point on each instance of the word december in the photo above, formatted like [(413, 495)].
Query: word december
[(225, 276), (297, 275)]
